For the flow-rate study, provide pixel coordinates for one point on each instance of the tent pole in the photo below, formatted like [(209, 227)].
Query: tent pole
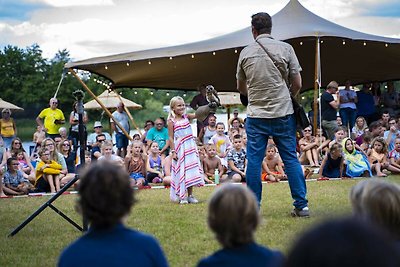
[(316, 85), (101, 104), (228, 110), (130, 116)]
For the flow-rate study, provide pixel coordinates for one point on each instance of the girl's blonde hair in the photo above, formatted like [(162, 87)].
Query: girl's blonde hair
[(172, 104), (365, 125)]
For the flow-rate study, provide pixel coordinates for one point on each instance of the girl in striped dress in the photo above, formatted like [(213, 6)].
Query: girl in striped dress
[(186, 168)]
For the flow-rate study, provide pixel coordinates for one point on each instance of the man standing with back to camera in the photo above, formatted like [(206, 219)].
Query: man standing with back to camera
[(270, 109)]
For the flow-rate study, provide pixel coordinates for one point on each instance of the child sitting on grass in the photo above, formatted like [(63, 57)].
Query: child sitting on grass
[(394, 155), (272, 165), (237, 161), (233, 216), (332, 165), (211, 163), (15, 179), (154, 165), (47, 173), (222, 143), (355, 160), (378, 158), (135, 164)]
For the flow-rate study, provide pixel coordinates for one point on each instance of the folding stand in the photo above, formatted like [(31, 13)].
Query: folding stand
[(78, 94)]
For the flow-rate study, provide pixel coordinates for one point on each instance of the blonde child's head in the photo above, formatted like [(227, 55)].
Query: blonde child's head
[(107, 147), (211, 150), (172, 106), (378, 201), (137, 148), (44, 154), (233, 215)]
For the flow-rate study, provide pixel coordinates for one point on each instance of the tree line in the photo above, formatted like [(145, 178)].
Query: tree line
[(29, 80)]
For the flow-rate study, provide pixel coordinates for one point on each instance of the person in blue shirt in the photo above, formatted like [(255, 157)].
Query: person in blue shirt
[(105, 199), (233, 216)]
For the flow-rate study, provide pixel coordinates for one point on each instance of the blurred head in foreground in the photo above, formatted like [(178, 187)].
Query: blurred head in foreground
[(345, 243), (378, 201), (233, 215), (105, 194)]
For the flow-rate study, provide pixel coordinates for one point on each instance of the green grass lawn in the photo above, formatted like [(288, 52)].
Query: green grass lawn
[(181, 230)]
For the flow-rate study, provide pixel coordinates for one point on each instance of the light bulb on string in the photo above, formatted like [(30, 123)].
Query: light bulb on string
[(151, 92), (192, 56), (301, 43), (106, 67), (386, 45), (170, 58), (344, 42), (167, 93), (149, 62), (213, 53), (236, 51), (135, 92), (127, 64), (365, 43)]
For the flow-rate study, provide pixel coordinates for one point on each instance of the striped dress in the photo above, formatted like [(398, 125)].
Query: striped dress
[(186, 171)]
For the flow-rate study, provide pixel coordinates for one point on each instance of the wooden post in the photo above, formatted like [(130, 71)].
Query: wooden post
[(101, 104), (129, 115)]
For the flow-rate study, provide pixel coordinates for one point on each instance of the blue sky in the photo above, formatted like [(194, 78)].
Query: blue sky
[(17, 10), (89, 28)]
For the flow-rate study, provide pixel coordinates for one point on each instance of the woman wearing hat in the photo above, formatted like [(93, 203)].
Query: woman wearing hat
[(8, 129)]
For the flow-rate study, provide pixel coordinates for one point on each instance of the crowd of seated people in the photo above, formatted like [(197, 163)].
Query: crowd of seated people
[(370, 147)]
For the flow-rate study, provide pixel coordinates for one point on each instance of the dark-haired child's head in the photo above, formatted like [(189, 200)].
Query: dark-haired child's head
[(105, 194)]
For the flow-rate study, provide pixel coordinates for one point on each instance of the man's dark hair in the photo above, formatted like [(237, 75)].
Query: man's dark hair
[(261, 22), (105, 194)]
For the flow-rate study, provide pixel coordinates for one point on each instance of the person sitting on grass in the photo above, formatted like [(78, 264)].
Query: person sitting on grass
[(15, 179), (135, 164), (237, 161), (308, 148), (272, 165), (47, 173), (332, 165), (378, 158), (378, 201), (154, 164), (107, 154), (5, 191), (212, 163), (394, 155), (356, 161), (233, 216), (105, 200)]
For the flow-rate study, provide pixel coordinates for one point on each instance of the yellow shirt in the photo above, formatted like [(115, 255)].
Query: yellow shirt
[(50, 115), (54, 168), (7, 128)]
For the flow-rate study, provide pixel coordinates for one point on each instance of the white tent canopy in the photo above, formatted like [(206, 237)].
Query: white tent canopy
[(344, 54)]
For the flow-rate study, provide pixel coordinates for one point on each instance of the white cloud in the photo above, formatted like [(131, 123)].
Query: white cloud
[(89, 28)]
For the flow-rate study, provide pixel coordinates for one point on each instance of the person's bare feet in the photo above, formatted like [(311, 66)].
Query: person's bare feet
[(381, 174)]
